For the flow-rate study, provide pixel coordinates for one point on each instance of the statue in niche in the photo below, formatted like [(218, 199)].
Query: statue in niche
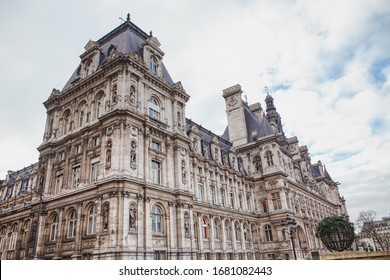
[(183, 172), (186, 224), (216, 155), (225, 159), (195, 144), (133, 154), (233, 162), (132, 217), (108, 157), (107, 105), (106, 212), (114, 97), (132, 95)]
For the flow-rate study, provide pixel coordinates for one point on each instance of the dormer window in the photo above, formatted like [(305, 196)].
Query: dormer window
[(154, 108), (88, 68), (153, 65)]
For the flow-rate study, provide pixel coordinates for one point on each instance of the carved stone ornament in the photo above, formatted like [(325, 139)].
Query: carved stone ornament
[(232, 101), (132, 217), (133, 155)]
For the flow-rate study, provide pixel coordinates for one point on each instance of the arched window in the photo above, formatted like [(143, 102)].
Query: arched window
[(25, 233), (153, 65), (53, 228), (2, 238), (257, 164), (91, 221), (13, 238), (269, 158), (82, 118), (88, 68), (154, 108), (268, 233), (157, 219), (72, 224)]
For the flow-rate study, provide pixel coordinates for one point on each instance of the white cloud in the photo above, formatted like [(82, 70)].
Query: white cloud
[(322, 52)]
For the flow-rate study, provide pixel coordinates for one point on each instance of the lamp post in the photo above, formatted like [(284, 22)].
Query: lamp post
[(291, 225)]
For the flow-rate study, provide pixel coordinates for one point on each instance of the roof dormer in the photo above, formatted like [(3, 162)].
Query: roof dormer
[(153, 55), (90, 59)]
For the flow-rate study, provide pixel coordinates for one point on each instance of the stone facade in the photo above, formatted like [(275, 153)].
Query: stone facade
[(123, 174)]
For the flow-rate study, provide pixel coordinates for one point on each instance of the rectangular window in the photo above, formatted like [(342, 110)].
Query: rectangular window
[(231, 200), (212, 190), (62, 155), (12, 242), (99, 109), (53, 232), (76, 176), (59, 180), (156, 145), (94, 171), (154, 114), (277, 203), (78, 149), (96, 142), (156, 172), (160, 255), (72, 226), (2, 240), (223, 197), (264, 206), (200, 193)]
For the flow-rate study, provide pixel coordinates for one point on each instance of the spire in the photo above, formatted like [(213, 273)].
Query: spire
[(274, 118)]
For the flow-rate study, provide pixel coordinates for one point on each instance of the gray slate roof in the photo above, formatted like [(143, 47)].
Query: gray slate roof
[(127, 39), (253, 124)]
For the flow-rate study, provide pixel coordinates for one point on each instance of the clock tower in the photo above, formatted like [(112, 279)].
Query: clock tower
[(235, 115)]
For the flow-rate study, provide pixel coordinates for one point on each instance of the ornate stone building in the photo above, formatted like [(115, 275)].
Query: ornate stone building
[(123, 174)]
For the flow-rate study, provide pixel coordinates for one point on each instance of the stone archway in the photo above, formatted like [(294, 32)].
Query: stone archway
[(302, 243)]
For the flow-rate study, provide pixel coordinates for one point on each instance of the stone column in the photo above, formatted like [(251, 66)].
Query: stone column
[(148, 229), (141, 227), (224, 239), (79, 231), (234, 241), (41, 235), (60, 231), (212, 237), (200, 236)]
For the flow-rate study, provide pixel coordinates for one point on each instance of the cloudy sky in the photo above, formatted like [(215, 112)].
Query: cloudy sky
[(327, 64)]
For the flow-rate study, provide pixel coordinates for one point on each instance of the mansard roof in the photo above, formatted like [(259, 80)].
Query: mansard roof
[(208, 136), (256, 128), (315, 169), (126, 39)]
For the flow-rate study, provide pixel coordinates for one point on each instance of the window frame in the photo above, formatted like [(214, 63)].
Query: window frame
[(91, 220), (53, 228), (157, 220), (156, 167), (72, 223)]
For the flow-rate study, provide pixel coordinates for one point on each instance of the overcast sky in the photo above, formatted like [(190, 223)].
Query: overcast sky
[(327, 64)]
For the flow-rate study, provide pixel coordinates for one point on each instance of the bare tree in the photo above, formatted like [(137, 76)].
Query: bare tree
[(371, 228)]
